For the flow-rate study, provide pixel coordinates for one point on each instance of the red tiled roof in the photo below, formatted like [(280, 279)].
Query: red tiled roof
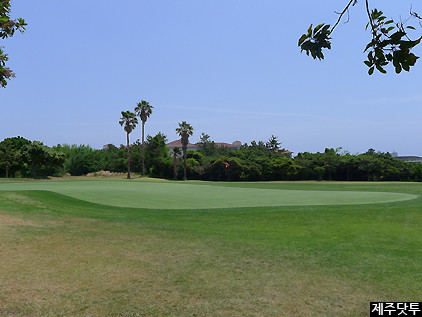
[(223, 144), (178, 143), (284, 152)]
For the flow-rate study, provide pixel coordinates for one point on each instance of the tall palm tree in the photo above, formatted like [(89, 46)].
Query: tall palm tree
[(185, 130), (143, 110), (129, 122), (176, 152)]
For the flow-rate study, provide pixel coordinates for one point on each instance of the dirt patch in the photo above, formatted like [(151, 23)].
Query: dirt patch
[(23, 199), (103, 173), (19, 198), (6, 220)]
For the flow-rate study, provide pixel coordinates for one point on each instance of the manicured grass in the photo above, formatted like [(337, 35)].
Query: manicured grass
[(176, 195), (65, 256)]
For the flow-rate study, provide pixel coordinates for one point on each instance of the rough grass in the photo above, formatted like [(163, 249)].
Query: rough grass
[(63, 256)]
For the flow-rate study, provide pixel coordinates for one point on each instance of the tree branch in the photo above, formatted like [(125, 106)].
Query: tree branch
[(370, 20), (346, 9)]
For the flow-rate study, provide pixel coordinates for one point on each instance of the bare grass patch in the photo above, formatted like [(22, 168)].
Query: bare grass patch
[(6, 220), (109, 269)]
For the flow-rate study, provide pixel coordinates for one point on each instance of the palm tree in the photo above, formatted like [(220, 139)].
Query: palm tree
[(176, 152), (143, 110), (184, 130), (129, 121)]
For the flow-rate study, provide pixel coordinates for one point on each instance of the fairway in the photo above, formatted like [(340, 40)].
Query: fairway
[(72, 247), (175, 195)]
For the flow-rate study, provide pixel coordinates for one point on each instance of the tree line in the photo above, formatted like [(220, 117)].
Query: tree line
[(257, 161)]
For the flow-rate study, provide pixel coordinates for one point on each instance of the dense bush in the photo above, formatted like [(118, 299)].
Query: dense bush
[(22, 158)]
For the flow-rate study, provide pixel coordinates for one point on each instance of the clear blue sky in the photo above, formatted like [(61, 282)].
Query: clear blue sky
[(231, 68)]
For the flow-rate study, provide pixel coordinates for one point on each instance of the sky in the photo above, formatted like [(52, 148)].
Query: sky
[(230, 68)]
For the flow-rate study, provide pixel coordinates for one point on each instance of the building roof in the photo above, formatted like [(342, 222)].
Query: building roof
[(406, 158), (283, 152), (223, 144), (178, 143)]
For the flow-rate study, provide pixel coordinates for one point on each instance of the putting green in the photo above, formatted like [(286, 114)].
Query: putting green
[(163, 195)]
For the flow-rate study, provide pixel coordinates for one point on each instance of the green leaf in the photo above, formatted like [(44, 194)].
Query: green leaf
[(379, 54), (302, 39), (380, 69), (318, 27), (410, 27), (411, 59), (396, 37), (325, 29), (371, 70), (368, 46), (310, 30)]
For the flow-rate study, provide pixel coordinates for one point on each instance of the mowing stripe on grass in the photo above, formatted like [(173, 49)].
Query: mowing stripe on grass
[(166, 195)]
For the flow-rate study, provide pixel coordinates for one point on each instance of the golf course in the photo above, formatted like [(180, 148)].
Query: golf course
[(148, 247)]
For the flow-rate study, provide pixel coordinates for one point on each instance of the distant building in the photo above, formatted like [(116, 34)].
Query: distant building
[(230, 146), (195, 147), (410, 159), (285, 152), (178, 143), (234, 146)]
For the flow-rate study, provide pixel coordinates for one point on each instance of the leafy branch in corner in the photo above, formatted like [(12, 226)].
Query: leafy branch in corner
[(390, 42), (7, 29)]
